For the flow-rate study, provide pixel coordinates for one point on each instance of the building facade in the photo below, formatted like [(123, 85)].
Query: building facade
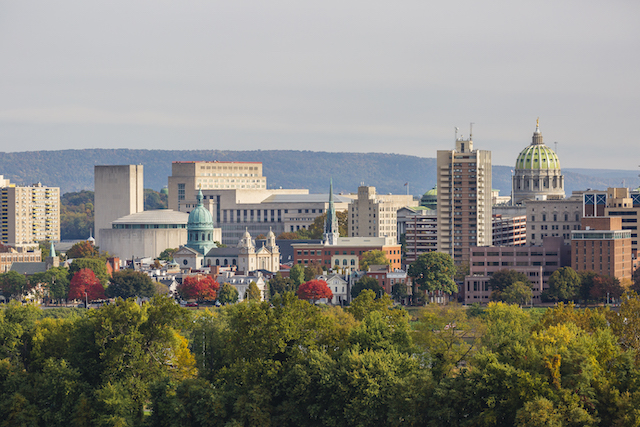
[(464, 199), (187, 177), (419, 226), (553, 218), (29, 214), (375, 215), (347, 253), (537, 173), (119, 191), (602, 246), (536, 262), (509, 230)]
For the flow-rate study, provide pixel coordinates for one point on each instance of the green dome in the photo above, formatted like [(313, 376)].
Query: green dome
[(200, 217), (538, 157), (430, 198)]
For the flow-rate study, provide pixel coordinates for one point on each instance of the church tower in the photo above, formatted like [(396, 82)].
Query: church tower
[(200, 228), (331, 231)]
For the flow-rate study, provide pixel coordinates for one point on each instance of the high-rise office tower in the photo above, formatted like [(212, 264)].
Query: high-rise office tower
[(464, 199)]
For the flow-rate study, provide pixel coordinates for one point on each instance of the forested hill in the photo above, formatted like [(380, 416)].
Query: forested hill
[(72, 170)]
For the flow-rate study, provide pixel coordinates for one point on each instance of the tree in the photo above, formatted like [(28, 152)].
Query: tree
[(605, 287), (517, 293), (56, 280), (154, 200), (253, 292), (167, 254), (316, 229), (83, 249), (311, 271), (228, 294), (366, 282), (85, 281), (636, 281), (297, 274), (129, 284), (501, 279), (399, 291), (586, 283), (288, 235), (564, 284), (374, 257), (314, 290), (97, 265), (280, 285), (434, 271), (13, 284), (198, 288)]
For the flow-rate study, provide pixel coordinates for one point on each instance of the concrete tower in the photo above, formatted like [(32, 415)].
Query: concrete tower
[(119, 192)]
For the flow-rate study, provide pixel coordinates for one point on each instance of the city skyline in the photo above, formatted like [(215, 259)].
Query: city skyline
[(354, 77)]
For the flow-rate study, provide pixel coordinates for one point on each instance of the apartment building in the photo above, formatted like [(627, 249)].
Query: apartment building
[(419, 226), (375, 215), (464, 199), (30, 214)]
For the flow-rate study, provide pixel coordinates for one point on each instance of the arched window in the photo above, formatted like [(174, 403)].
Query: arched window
[(196, 234), (217, 261), (209, 262), (226, 262), (209, 237), (233, 262), (337, 262), (203, 237), (353, 262), (344, 262)]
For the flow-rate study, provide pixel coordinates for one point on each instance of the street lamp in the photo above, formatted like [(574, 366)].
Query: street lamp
[(86, 300)]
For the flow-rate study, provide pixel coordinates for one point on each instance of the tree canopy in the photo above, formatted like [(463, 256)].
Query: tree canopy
[(97, 265), (129, 284), (374, 257), (85, 281), (253, 292), (501, 279), (228, 294), (83, 249), (200, 288), (564, 284), (366, 282), (314, 290), (434, 271)]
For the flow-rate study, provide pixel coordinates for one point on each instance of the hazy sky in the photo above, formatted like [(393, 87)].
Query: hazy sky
[(363, 76)]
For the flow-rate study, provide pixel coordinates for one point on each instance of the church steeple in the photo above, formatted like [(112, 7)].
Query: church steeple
[(331, 232)]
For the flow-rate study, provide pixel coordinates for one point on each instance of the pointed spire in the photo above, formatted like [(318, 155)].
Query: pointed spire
[(331, 232), (52, 250), (200, 196)]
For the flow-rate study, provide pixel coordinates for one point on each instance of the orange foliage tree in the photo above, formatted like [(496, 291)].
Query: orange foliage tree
[(314, 290), (83, 281), (83, 249), (198, 288)]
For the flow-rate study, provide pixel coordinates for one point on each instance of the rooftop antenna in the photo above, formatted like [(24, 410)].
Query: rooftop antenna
[(470, 131), (556, 146), (457, 133)]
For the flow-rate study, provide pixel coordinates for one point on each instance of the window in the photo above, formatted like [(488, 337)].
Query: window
[(181, 191)]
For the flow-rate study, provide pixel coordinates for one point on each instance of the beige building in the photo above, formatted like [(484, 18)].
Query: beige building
[(29, 214), (189, 176), (464, 199), (119, 191), (375, 215)]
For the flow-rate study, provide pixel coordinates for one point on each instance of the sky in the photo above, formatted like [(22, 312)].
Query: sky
[(354, 76)]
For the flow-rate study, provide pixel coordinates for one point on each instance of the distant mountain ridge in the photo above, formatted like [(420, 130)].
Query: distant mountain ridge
[(72, 170)]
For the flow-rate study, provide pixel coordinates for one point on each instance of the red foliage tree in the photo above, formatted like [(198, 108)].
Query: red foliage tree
[(83, 281), (314, 290), (199, 288), (83, 249), (603, 285)]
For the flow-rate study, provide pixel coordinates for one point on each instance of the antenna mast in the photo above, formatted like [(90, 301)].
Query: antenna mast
[(470, 131)]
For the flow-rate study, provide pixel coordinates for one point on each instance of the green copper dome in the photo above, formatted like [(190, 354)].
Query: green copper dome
[(430, 198), (200, 217), (537, 157)]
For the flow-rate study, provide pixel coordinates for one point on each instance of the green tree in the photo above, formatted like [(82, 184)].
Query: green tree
[(586, 283), (76, 215), (605, 287), (434, 271), (501, 279), (13, 284), (297, 274), (636, 281), (564, 284), (253, 292), (56, 280), (374, 257), (399, 291), (130, 284), (83, 249), (311, 271), (316, 229), (280, 285), (97, 265), (228, 294), (154, 200), (517, 293), (366, 282), (167, 254)]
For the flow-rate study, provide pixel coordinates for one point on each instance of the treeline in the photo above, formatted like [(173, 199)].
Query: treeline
[(77, 212), (286, 362)]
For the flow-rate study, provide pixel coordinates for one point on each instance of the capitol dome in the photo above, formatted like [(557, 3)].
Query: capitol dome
[(537, 157), (537, 173), (430, 198)]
